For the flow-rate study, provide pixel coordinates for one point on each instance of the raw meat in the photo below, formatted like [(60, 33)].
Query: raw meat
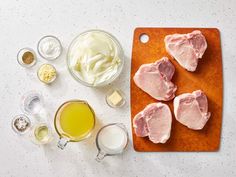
[(154, 121), (191, 109), (186, 48), (155, 79)]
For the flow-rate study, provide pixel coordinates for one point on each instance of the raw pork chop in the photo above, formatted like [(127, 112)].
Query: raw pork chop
[(186, 48), (191, 109), (154, 121), (154, 78)]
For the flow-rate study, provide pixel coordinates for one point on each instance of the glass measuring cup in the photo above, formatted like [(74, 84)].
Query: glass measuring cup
[(74, 122), (111, 139)]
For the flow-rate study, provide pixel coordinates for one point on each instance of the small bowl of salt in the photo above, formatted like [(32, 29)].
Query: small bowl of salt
[(21, 124)]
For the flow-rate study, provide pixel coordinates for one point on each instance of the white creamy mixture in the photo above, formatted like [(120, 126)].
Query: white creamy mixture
[(94, 57), (49, 47)]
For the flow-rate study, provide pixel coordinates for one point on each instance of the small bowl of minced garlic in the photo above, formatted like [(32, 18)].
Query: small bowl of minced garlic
[(47, 73)]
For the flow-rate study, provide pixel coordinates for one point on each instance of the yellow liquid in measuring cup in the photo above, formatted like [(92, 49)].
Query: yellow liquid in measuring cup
[(75, 120)]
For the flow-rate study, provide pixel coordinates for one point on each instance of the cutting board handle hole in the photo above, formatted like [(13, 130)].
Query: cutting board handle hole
[(144, 38)]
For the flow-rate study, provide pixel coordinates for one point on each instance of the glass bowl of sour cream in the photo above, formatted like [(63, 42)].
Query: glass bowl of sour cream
[(95, 58)]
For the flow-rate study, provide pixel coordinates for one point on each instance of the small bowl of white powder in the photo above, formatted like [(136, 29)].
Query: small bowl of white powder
[(49, 47)]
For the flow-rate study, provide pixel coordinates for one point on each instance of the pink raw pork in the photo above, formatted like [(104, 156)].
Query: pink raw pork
[(186, 48), (155, 122), (155, 79), (191, 109)]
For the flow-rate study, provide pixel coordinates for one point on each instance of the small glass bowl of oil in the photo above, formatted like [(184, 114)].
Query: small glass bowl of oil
[(41, 134)]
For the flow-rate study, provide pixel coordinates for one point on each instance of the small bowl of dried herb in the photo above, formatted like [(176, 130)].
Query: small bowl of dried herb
[(26, 57)]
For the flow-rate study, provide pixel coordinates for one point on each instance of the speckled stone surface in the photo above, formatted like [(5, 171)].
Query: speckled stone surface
[(23, 23)]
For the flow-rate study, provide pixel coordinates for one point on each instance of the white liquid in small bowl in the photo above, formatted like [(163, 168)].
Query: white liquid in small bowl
[(112, 139)]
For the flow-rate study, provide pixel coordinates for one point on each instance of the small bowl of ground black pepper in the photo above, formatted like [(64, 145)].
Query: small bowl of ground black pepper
[(26, 57)]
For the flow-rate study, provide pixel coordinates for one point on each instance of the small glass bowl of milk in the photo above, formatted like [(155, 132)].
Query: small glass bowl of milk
[(111, 139)]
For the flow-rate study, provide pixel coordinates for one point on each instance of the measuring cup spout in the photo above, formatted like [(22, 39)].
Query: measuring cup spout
[(62, 143), (100, 156)]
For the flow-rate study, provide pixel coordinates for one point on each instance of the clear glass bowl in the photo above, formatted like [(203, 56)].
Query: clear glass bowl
[(41, 133), (21, 124), (122, 95), (55, 51), (20, 57), (74, 73), (32, 103), (50, 81)]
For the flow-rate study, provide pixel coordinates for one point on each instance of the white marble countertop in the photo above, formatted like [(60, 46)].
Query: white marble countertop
[(23, 23)]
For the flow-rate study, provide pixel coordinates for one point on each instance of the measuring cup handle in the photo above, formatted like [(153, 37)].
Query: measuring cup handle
[(62, 143), (100, 156)]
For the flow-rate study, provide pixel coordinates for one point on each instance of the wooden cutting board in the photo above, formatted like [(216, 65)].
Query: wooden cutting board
[(207, 77)]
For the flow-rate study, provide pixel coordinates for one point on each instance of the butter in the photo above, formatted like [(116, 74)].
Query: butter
[(115, 98)]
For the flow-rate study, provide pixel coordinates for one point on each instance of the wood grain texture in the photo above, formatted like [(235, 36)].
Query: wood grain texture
[(207, 77)]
